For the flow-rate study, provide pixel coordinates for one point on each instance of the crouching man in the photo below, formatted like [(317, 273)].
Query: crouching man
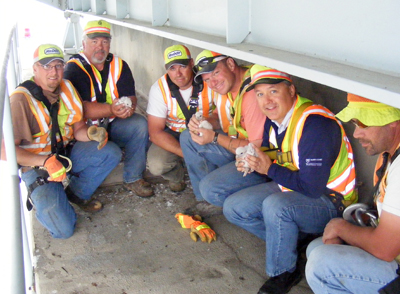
[(364, 259), (61, 159)]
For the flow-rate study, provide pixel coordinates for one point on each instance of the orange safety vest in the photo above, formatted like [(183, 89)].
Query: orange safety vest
[(176, 120), (111, 87), (70, 112), (342, 177), (381, 192)]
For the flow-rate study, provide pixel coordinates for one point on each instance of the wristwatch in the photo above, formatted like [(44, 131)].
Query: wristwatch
[(215, 139)]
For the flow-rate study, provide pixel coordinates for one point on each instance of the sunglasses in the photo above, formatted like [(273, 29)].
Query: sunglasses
[(206, 61), (358, 124)]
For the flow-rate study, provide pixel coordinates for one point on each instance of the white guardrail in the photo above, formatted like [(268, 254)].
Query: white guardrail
[(16, 272)]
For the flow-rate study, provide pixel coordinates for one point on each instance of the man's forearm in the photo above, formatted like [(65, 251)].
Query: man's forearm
[(94, 110), (167, 142)]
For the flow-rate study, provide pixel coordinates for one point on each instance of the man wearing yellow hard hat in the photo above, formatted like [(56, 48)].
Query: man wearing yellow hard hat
[(62, 160), (173, 99), (371, 262), (106, 85)]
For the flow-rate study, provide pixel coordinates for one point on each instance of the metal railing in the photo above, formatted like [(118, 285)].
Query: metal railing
[(16, 272)]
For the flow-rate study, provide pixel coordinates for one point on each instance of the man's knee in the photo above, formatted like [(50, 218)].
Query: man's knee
[(274, 204), (112, 153), (156, 167), (318, 261)]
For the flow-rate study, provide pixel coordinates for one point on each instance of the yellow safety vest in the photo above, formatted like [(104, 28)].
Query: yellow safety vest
[(70, 112), (176, 120), (230, 110), (342, 178), (111, 87)]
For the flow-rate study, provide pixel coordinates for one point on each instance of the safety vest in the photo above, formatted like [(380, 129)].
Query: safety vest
[(381, 191), (111, 87), (342, 178), (70, 112), (176, 119), (230, 109)]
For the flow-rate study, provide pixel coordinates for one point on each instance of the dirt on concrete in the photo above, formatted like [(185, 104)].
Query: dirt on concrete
[(135, 245)]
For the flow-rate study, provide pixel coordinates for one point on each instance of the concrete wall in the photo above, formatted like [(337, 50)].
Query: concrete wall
[(144, 54)]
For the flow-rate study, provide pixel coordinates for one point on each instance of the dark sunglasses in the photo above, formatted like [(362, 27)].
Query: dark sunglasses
[(206, 61)]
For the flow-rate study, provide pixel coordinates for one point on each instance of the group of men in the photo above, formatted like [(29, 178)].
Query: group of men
[(71, 123)]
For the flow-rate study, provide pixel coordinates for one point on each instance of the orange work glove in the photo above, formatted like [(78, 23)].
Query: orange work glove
[(56, 170), (98, 134), (187, 220), (202, 230)]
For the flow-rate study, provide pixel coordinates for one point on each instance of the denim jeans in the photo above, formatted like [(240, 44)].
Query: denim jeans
[(343, 269), (202, 159), (132, 134), (278, 218), (92, 166), (226, 180)]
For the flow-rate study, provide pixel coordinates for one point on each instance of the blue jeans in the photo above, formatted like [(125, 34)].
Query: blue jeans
[(278, 218), (202, 159), (226, 180), (346, 269), (132, 134), (53, 210)]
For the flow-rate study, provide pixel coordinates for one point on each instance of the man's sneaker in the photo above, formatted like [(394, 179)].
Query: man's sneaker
[(90, 205), (177, 186), (281, 284), (140, 187)]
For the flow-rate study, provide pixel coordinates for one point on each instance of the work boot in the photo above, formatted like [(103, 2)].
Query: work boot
[(281, 284), (140, 187), (90, 205), (177, 186)]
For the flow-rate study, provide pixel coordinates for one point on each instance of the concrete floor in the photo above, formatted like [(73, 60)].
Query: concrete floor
[(135, 245)]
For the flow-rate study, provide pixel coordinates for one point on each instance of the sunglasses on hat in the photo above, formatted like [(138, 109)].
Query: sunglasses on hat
[(208, 60)]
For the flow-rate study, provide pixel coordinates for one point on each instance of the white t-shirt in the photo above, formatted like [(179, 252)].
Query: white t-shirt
[(157, 106), (391, 201)]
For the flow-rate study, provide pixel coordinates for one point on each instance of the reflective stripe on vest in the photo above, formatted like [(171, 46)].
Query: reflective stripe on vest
[(176, 120), (342, 177), (224, 104), (237, 106), (70, 112), (113, 76), (223, 107)]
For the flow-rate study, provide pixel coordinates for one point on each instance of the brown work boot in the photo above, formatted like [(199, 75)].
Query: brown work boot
[(177, 186), (140, 187), (90, 205)]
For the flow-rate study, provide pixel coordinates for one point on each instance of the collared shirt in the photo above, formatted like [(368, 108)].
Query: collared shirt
[(285, 123)]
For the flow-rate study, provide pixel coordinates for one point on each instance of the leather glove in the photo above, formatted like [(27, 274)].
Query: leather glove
[(98, 134), (186, 221), (56, 170), (203, 231)]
